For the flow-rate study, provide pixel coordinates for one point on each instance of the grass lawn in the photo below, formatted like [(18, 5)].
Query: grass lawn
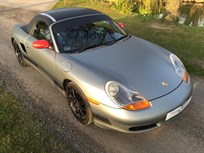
[(186, 42), (20, 131)]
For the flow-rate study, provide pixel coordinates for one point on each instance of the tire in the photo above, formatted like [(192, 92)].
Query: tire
[(78, 104), (18, 54)]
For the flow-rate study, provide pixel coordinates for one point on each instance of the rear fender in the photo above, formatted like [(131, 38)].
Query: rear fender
[(20, 36)]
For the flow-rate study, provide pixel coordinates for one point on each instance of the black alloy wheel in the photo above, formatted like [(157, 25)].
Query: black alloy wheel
[(18, 54), (78, 104)]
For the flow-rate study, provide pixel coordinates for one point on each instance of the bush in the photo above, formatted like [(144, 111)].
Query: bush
[(143, 7), (124, 6), (149, 7)]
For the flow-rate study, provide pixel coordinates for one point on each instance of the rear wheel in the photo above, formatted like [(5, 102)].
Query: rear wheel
[(18, 54), (78, 104)]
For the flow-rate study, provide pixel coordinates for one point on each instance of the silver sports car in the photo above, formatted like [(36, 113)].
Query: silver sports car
[(110, 78)]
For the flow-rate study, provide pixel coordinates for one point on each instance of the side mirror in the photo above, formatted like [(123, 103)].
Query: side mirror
[(121, 25), (40, 44)]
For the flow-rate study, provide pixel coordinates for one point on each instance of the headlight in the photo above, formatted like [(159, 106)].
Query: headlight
[(126, 98), (179, 67)]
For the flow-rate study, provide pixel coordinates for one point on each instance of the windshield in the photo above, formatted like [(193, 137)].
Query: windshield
[(78, 38)]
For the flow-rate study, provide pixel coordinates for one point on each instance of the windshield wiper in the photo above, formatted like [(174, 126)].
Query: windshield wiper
[(98, 45), (88, 47), (114, 41)]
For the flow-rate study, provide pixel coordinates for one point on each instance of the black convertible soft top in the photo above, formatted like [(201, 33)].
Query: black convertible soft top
[(55, 15), (60, 14)]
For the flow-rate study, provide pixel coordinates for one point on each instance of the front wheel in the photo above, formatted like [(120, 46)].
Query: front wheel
[(78, 104), (18, 54)]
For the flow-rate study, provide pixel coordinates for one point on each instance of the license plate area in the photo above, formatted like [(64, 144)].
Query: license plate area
[(177, 110)]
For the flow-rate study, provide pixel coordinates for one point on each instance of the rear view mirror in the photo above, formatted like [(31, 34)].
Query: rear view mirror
[(121, 25), (40, 44)]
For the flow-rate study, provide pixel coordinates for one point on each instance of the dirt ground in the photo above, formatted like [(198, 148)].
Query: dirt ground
[(182, 134)]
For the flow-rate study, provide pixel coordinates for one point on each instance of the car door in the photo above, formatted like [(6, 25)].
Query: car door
[(43, 59)]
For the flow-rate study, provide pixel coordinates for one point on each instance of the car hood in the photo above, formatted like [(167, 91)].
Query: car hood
[(136, 63)]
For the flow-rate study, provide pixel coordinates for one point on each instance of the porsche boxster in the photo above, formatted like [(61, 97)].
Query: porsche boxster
[(112, 79)]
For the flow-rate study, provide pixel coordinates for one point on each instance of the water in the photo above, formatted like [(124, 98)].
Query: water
[(192, 14)]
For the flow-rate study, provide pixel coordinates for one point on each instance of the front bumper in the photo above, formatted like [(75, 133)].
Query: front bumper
[(143, 120)]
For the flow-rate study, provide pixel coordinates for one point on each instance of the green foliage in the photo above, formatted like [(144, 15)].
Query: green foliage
[(144, 7), (20, 131), (144, 18), (147, 7), (99, 0), (124, 6)]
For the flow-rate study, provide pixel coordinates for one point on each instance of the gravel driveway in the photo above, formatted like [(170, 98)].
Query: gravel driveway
[(182, 134)]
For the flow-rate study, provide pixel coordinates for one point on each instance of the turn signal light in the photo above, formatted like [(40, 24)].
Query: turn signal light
[(138, 105), (185, 77), (92, 101)]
